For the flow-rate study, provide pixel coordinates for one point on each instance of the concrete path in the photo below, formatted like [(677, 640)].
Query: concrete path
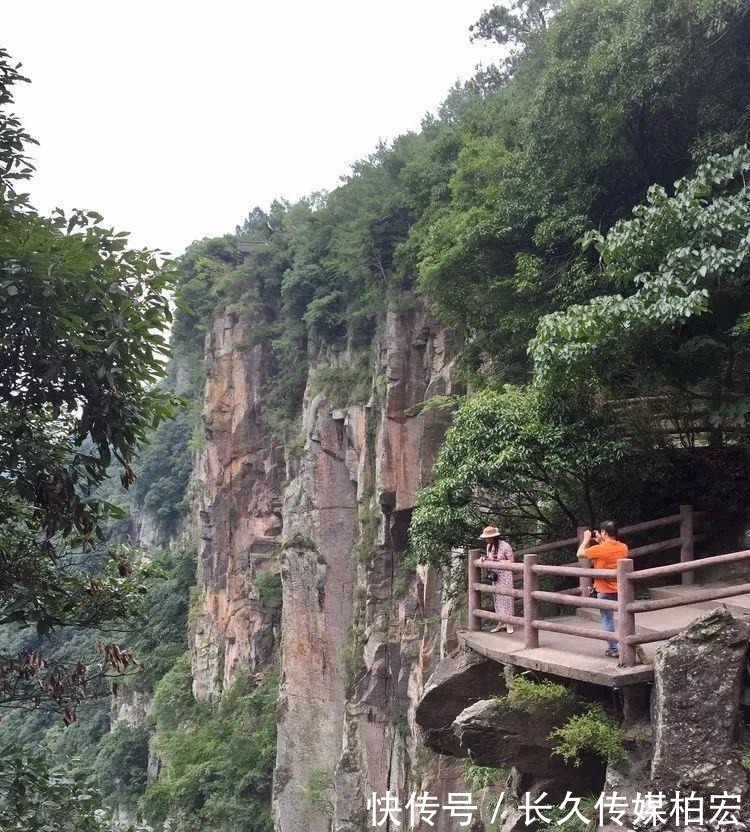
[(572, 657), (576, 657), (739, 604)]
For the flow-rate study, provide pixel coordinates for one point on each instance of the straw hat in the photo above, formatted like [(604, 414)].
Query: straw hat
[(490, 531)]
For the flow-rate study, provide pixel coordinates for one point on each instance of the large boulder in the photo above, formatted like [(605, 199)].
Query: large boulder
[(460, 679), (492, 733), (695, 704)]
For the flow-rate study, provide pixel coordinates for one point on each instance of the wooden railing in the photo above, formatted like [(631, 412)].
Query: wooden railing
[(625, 606), (686, 541)]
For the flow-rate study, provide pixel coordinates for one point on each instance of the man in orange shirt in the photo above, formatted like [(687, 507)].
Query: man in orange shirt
[(605, 554)]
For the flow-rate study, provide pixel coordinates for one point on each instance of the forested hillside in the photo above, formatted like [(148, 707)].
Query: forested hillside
[(576, 217)]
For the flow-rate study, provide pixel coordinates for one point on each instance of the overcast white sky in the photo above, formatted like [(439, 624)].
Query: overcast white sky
[(173, 118)]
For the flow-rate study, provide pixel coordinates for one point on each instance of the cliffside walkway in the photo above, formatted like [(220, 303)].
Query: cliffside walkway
[(572, 646)]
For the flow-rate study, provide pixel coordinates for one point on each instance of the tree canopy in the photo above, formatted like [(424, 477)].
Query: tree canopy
[(680, 323), (623, 332), (82, 322)]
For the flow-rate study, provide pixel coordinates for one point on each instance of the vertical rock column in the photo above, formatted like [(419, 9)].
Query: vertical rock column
[(320, 531), (361, 632), (695, 705), (238, 481), (402, 613)]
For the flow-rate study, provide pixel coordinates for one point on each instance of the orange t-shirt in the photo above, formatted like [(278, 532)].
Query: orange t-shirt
[(605, 556)]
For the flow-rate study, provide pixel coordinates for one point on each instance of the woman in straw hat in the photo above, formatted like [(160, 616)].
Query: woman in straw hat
[(498, 549)]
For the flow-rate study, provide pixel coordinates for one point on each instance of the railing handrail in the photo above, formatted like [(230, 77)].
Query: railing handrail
[(574, 571), (695, 596), (689, 566), (507, 565), (636, 528), (549, 547), (669, 520), (663, 545)]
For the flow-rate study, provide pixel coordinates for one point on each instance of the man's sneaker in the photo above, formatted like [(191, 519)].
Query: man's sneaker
[(613, 654)]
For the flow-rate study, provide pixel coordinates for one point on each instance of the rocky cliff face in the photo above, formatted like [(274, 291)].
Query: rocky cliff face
[(132, 709), (359, 635), (238, 484)]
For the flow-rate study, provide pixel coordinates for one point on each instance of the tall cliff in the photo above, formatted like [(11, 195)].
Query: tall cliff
[(238, 481), (358, 633)]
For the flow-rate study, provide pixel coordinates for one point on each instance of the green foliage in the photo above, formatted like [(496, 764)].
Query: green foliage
[(269, 589), (352, 654), (300, 541), (317, 791), (173, 701), (528, 695), (38, 797), (592, 106), (523, 461), (163, 471), (679, 325), (114, 764), (162, 637), (122, 762), (76, 743), (481, 777), (369, 521), (346, 253), (202, 266), (401, 725), (592, 103), (437, 402), (82, 317), (218, 760), (346, 384), (594, 731)]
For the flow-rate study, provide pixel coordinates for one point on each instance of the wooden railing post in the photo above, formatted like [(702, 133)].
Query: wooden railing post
[(625, 618), (474, 577), (585, 563), (686, 535), (530, 633)]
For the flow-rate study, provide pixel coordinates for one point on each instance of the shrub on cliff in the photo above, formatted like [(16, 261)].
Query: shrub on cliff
[(532, 696), (217, 760), (594, 731), (121, 763)]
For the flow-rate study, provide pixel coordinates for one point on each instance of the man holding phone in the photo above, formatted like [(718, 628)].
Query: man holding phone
[(605, 553)]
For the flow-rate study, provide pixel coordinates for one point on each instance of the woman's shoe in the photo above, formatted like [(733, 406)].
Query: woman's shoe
[(509, 629), (497, 629)]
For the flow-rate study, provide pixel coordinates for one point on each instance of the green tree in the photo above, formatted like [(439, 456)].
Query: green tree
[(81, 322), (604, 100), (37, 796), (514, 26), (81, 317), (122, 763), (679, 326), (523, 462)]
